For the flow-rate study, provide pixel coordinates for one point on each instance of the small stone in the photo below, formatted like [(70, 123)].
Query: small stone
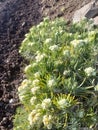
[(96, 20), (11, 100), (89, 11), (23, 24), (80, 14)]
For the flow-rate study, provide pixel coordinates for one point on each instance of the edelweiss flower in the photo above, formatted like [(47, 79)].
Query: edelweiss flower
[(53, 48), (46, 103), (47, 120), (90, 71)]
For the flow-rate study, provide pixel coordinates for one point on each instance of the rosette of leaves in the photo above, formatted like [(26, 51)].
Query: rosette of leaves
[(60, 91)]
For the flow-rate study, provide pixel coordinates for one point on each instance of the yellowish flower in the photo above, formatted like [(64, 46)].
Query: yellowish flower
[(34, 117), (47, 120)]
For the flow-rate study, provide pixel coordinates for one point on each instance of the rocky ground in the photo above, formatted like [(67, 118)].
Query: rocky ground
[(16, 18)]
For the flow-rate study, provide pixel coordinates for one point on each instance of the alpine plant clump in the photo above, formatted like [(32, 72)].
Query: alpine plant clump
[(60, 91)]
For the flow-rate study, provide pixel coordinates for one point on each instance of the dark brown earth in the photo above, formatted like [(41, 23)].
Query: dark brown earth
[(16, 18)]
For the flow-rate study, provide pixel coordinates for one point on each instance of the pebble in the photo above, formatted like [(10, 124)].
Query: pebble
[(12, 101)]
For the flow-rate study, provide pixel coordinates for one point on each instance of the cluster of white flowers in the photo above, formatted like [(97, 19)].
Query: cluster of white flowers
[(39, 56), (35, 82), (90, 71), (34, 117), (51, 83), (34, 90), (46, 103), (48, 40), (63, 103), (23, 84), (31, 44), (76, 43), (53, 48), (47, 120), (33, 100), (21, 97)]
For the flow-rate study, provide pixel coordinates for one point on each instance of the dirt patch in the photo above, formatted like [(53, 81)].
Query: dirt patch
[(16, 18)]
